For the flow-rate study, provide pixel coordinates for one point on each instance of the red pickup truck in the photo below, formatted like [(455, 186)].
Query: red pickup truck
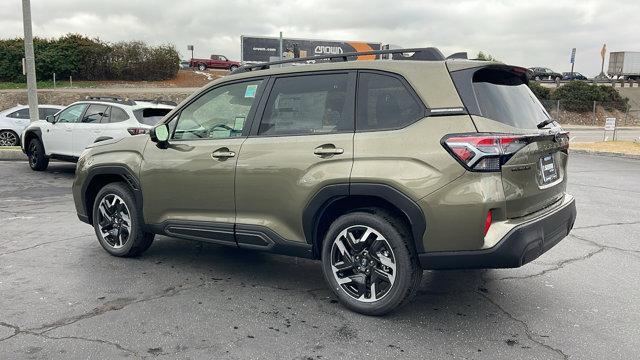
[(216, 62)]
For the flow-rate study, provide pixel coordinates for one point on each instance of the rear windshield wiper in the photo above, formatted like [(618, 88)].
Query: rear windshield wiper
[(544, 123)]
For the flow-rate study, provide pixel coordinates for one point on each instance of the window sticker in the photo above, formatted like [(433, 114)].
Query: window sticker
[(250, 92), (239, 123)]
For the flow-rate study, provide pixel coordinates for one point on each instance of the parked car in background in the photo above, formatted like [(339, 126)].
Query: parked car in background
[(215, 62), (184, 64), (13, 121), (542, 73), (576, 76), (66, 134)]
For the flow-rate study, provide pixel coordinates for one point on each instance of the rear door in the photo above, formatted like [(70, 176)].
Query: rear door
[(90, 128), (114, 123), (302, 142), (499, 101)]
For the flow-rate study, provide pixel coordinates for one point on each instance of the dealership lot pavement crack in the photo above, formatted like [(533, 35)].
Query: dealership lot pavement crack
[(64, 297), (528, 332)]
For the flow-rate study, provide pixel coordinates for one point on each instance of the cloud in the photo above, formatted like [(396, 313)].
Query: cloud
[(527, 33)]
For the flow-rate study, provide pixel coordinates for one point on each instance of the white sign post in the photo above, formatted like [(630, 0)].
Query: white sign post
[(609, 125)]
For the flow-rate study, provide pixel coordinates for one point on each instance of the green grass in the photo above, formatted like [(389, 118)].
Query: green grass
[(49, 85)]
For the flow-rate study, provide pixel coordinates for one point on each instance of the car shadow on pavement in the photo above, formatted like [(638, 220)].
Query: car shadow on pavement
[(458, 293)]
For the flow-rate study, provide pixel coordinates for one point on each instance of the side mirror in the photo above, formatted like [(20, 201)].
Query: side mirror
[(50, 119), (160, 134)]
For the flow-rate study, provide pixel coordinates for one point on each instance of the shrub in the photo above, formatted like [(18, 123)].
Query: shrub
[(89, 59), (541, 92), (579, 96)]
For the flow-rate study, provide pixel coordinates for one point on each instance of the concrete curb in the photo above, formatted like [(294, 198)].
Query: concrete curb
[(601, 153), (12, 155)]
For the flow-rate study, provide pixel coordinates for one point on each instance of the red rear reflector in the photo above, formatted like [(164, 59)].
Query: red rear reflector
[(487, 222)]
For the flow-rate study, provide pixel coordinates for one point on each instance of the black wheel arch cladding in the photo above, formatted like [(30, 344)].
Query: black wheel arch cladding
[(387, 195)]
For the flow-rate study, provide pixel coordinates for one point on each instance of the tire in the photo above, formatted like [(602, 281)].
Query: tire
[(38, 160), (119, 228), (386, 250), (9, 138), (232, 68), (202, 67)]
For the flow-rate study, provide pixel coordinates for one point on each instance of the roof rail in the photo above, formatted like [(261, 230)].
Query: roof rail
[(424, 54), (159, 101), (112, 99)]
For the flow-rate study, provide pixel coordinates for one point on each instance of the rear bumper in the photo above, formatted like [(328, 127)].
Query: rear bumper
[(524, 243)]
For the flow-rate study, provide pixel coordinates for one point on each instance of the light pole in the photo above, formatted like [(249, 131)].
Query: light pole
[(32, 94)]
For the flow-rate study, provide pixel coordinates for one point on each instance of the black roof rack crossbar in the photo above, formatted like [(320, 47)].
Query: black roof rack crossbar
[(127, 101), (112, 99), (425, 54), (158, 101)]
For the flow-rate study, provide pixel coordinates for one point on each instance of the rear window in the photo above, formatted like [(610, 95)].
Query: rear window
[(502, 96), (150, 116)]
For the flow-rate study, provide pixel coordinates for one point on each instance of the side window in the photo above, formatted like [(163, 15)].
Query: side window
[(308, 104), (106, 117), (71, 114), (219, 113), (20, 114), (384, 102), (118, 115), (44, 112), (94, 113)]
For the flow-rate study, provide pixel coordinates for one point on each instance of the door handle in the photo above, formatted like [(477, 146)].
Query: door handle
[(222, 153), (327, 150)]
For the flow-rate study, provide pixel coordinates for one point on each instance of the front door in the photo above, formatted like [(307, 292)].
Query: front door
[(188, 187), (58, 137), (303, 142)]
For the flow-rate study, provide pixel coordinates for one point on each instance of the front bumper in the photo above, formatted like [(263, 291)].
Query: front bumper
[(523, 244)]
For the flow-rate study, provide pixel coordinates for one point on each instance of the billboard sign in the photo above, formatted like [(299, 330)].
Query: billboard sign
[(264, 49)]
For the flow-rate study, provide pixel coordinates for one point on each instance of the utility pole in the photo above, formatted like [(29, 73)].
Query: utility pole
[(32, 91), (280, 48)]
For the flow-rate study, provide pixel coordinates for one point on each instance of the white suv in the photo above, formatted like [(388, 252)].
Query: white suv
[(66, 134)]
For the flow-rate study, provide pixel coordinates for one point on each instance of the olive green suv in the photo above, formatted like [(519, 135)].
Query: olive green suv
[(378, 168)]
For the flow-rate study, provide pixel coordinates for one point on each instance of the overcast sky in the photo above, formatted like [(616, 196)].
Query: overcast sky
[(528, 33)]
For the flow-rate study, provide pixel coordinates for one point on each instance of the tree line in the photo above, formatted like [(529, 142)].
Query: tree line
[(85, 58)]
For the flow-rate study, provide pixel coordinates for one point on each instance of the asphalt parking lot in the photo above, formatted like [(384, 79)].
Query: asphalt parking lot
[(62, 296)]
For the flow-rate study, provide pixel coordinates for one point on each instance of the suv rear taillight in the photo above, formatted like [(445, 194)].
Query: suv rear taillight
[(138, 131), (483, 152)]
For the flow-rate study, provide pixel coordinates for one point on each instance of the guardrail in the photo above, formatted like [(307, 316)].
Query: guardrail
[(606, 82)]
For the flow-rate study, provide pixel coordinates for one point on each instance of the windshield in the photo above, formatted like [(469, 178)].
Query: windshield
[(503, 96)]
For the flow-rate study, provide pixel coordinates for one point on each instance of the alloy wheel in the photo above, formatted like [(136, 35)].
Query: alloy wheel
[(33, 154), (8, 138), (363, 263), (114, 221)]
